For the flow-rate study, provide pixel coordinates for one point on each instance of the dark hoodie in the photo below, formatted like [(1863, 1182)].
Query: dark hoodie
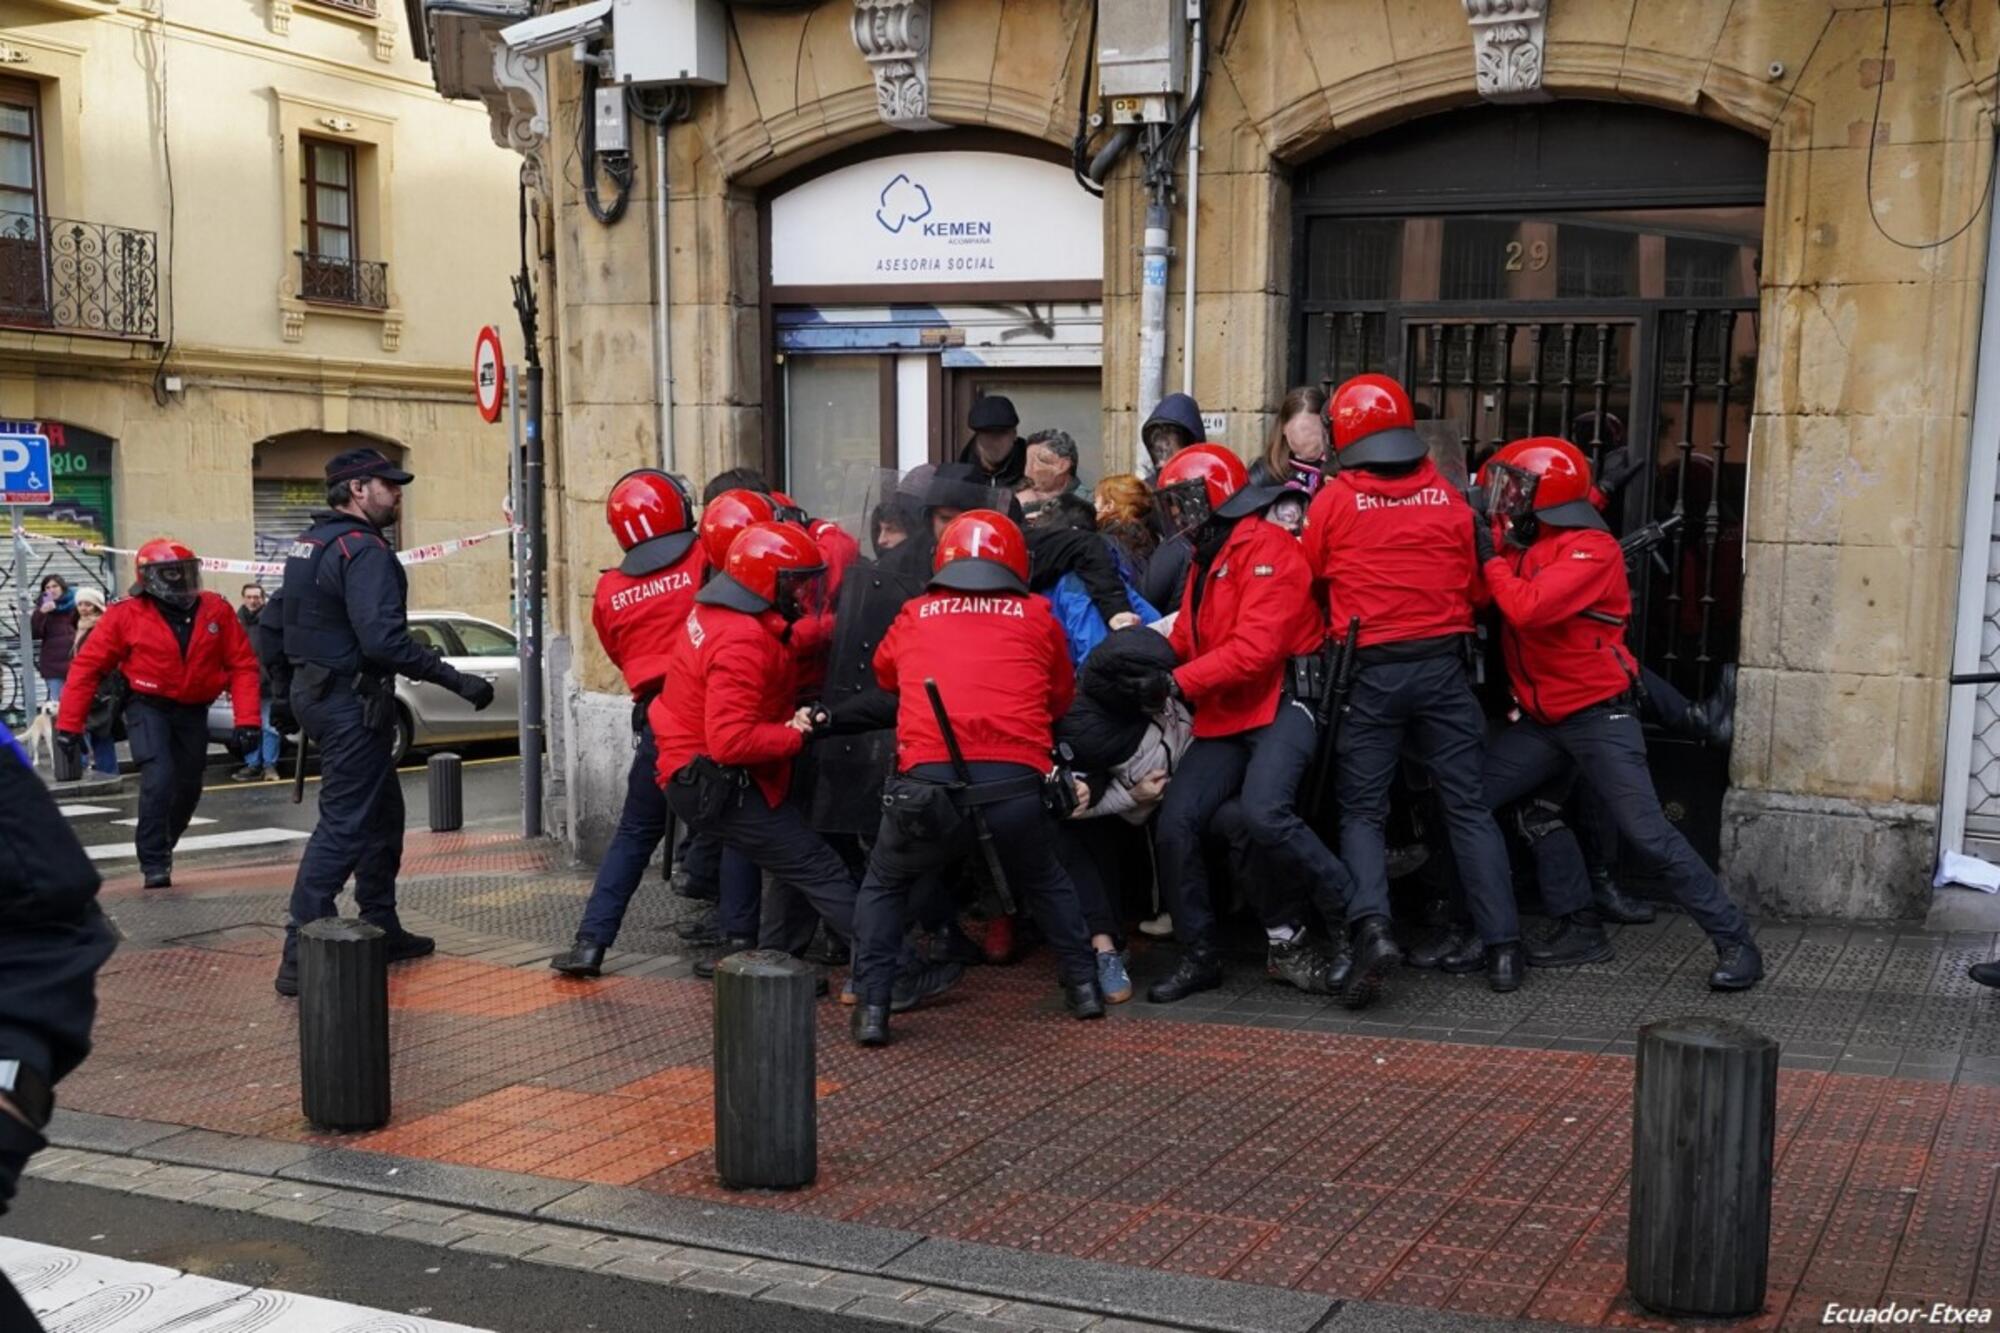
[(1177, 409)]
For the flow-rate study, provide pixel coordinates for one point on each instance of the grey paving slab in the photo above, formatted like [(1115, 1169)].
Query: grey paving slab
[(1111, 1289), (228, 1152), (434, 1182), (106, 1133), (814, 1241)]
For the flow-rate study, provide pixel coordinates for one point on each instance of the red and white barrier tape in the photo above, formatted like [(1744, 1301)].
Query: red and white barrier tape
[(416, 555)]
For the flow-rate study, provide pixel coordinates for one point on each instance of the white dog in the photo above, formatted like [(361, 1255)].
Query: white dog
[(40, 738)]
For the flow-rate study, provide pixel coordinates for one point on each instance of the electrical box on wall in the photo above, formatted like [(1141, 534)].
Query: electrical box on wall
[(1141, 49), (613, 133), (657, 42)]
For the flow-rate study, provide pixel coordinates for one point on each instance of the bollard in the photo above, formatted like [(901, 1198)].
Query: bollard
[(446, 777), (344, 1024), (1704, 1111), (766, 1119), (68, 764)]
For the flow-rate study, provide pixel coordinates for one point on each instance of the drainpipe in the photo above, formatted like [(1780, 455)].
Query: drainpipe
[(1193, 205), (663, 348), (1153, 315)]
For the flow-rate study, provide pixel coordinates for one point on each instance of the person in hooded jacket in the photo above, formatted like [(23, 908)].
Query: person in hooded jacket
[(996, 451), (639, 609), (977, 621), (1564, 601), (1173, 426), (1078, 570), (1246, 613), (1392, 545)]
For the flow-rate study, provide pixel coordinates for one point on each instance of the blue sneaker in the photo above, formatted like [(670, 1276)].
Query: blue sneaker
[(1112, 978)]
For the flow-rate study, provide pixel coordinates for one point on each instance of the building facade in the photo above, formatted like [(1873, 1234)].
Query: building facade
[(1750, 240), (234, 240)]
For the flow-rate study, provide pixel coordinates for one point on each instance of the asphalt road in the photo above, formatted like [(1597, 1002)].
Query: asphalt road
[(492, 794), (480, 1290)]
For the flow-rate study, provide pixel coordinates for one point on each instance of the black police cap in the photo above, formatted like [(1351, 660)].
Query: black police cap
[(357, 464), (993, 412)]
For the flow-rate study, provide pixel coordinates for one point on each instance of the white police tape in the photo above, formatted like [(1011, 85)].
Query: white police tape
[(416, 555)]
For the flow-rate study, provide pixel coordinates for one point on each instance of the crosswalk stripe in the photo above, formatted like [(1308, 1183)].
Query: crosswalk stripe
[(70, 1289), (202, 842), (79, 811), (195, 822)]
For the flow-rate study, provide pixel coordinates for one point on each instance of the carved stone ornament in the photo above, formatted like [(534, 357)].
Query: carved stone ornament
[(894, 37), (521, 116), (1507, 41), (392, 334), (385, 40), (281, 17), (294, 327)]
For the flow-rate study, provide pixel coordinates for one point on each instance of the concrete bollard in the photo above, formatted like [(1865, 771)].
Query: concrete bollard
[(344, 1024), (445, 775), (766, 1117), (1704, 1113)]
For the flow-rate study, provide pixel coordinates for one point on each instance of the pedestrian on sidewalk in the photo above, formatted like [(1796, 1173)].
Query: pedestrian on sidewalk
[(260, 764), (640, 608), (347, 637), (104, 721), (53, 939), (178, 648), (53, 625)]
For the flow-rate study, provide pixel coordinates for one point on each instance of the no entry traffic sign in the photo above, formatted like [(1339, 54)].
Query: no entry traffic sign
[(489, 373)]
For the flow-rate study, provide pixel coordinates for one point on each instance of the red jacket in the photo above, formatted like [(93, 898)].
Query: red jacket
[(638, 619), (812, 636), (135, 638), (1255, 612), (727, 693), (1001, 665), (1559, 659), (1396, 551), (838, 548)]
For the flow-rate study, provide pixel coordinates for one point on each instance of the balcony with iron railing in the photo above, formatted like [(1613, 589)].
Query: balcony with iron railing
[(365, 8), (70, 276), (339, 280)]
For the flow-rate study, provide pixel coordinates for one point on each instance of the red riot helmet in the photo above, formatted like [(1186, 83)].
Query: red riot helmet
[(1373, 424), (788, 510), (981, 551), (770, 567), (727, 515), (652, 516), (1205, 481), (169, 572), (1542, 477)]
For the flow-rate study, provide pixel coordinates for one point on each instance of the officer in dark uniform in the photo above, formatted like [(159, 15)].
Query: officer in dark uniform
[(977, 623), (52, 941), (345, 609)]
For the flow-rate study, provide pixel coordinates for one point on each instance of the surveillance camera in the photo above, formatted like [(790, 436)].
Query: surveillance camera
[(565, 27)]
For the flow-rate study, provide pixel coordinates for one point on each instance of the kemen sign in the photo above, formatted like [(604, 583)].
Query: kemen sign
[(928, 219)]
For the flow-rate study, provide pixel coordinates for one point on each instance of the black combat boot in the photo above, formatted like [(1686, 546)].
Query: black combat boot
[(584, 959), (921, 982), (1504, 966), (1713, 720), (1577, 939), (870, 1025), (1613, 903), (1469, 956), (705, 967), (701, 928), (1739, 966), (1199, 970), (287, 980), (404, 945), (1298, 962), (1430, 955), (1375, 957), (1986, 974), (159, 879), (1084, 1000)]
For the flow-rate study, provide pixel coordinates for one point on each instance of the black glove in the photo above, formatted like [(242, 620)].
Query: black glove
[(70, 743), (1482, 539), (283, 720), (476, 691), (249, 741)]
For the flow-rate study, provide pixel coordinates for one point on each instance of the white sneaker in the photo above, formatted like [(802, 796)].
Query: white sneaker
[(1160, 927)]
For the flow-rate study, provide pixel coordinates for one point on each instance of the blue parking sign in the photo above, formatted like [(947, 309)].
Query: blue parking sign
[(25, 478)]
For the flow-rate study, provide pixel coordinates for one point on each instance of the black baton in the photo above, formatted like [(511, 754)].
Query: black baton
[(987, 850), (299, 767)]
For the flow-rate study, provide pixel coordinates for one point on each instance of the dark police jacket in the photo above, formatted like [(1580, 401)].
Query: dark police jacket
[(345, 605)]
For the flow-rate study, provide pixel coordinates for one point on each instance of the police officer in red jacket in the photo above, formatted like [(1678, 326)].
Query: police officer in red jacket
[(1564, 602), (976, 623), (1393, 545), (1246, 611), (638, 612), (728, 730), (178, 648)]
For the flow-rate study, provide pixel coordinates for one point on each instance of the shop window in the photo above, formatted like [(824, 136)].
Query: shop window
[(833, 428)]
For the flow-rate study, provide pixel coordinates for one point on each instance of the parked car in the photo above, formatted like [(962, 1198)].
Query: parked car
[(430, 715)]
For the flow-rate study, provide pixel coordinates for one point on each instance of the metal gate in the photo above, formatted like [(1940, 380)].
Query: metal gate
[(77, 568), (1672, 380)]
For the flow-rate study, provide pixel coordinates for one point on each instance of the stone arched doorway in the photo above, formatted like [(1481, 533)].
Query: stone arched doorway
[(1583, 269)]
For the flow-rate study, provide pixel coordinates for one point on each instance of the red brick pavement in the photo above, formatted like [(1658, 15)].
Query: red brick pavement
[(1476, 1178)]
